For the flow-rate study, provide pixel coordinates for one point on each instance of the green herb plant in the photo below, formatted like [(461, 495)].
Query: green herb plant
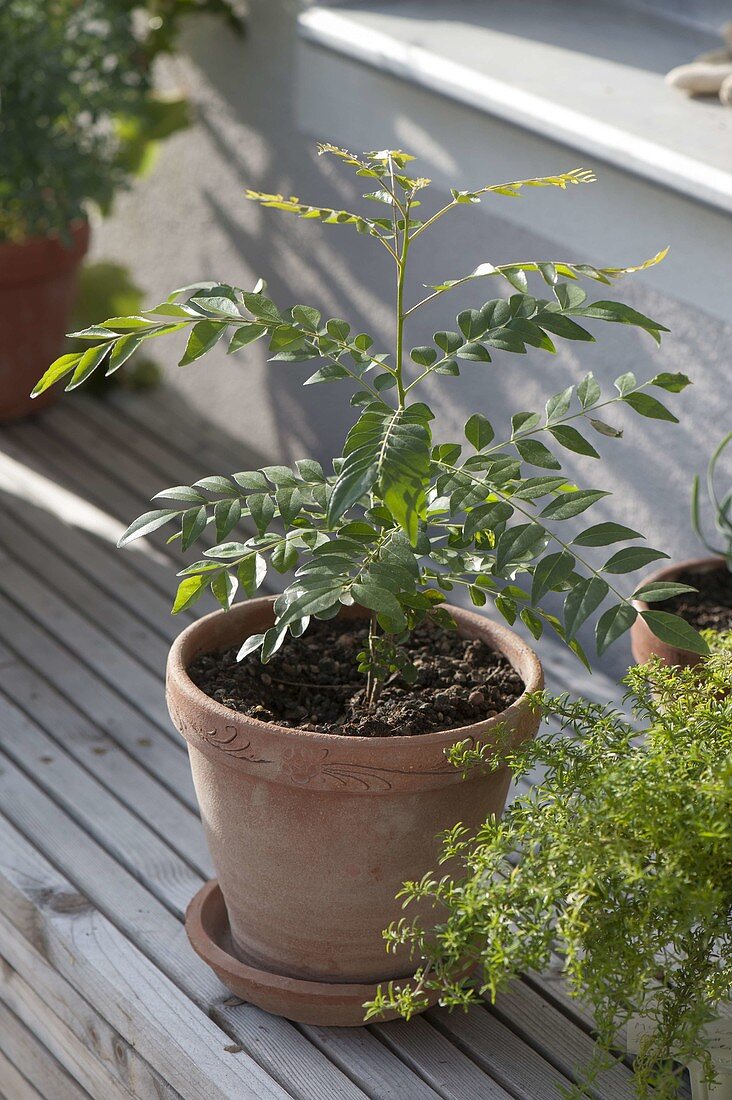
[(722, 508), (403, 519), (617, 865), (78, 109)]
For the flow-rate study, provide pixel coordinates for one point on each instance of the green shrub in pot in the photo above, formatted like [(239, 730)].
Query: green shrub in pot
[(404, 518), (618, 863), (78, 115)]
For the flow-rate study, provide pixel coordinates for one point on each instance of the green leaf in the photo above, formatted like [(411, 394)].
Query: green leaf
[(675, 631), (284, 556), (251, 645), (533, 451), (218, 305), (550, 572), (620, 313), (655, 591), (470, 322), (423, 356), (487, 517), (479, 431), (147, 523), (227, 514), (588, 391), (251, 572), (245, 334), (122, 350), (473, 352), (190, 590), (261, 308), (202, 338), (224, 588), (192, 525), (289, 502), (624, 383), (674, 383), (558, 405), (581, 601), (307, 316), (572, 504), (524, 422), (569, 295), (569, 437), (532, 621), (88, 363), (330, 372), (602, 534), (507, 608), (262, 509), (648, 406), (216, 483), (337, 329), (631, 558), (520, 544), (612, 624), (390, 449), (57, 370)]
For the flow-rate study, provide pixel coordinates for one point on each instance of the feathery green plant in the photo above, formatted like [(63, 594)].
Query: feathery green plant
[(403, 519), (618, 863)]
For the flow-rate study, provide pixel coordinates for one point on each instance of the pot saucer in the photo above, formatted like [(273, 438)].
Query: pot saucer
[(328, 1004)]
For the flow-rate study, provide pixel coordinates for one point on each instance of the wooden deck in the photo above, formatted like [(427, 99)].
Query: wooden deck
[(100, 842)]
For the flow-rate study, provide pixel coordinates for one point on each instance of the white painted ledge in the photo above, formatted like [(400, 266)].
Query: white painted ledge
[(590, 78)]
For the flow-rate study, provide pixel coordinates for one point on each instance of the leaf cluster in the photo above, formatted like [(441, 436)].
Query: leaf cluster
[(78, 111), (401, 519), (618, 863)]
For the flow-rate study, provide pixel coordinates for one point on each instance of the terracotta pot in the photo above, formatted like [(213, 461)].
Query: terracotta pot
[(312, 834), (38, 280), (643, 641)]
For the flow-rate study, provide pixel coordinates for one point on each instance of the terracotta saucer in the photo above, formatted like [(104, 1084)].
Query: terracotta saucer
[(328, 1004)]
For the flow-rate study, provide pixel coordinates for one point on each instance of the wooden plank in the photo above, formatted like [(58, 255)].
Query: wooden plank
[(40, 559), (428, 1052), (90, 1030), (503, 1055), (13, 1085), (132, 843), (47, 454), (106, 709), (74, 1056), (558, 1039), (373, 1067), (102, 563), (296, 1063), (148, 1009), (153, 929), (60, 481), (184, 430), (25, 690), (123, 674), (39, 1066)]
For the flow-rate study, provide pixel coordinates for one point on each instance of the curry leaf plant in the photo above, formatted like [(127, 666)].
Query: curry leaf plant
[(402, 519), (616, 866)]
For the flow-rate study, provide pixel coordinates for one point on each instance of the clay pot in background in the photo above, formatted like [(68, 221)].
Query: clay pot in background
[(38, 280), (644, 643), (312, 834)]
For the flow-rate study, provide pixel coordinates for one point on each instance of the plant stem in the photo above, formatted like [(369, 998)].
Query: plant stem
[(372, 684), (400, 273)]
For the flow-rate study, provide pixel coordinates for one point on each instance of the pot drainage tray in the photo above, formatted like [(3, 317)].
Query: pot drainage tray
[(338, 1004)]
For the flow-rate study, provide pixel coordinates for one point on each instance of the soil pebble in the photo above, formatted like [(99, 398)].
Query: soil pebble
[(711, 607)]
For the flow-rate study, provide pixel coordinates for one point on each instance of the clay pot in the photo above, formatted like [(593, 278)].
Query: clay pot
[(312, 834), (38, 280), (643, 641)]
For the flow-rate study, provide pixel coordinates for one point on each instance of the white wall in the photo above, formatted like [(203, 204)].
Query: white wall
[(190, 220)]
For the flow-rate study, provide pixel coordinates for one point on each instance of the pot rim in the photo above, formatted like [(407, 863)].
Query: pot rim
[(505, 640), (710, 563)]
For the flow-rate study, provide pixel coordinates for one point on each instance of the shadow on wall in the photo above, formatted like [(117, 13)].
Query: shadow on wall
[(191, 221)]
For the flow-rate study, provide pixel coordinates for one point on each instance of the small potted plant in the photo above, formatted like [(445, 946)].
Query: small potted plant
[(700, 589), (320, 770), (78, 115), (619, 863)]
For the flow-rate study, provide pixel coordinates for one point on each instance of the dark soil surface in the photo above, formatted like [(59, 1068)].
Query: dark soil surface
[(313, 683), (711, 607)]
